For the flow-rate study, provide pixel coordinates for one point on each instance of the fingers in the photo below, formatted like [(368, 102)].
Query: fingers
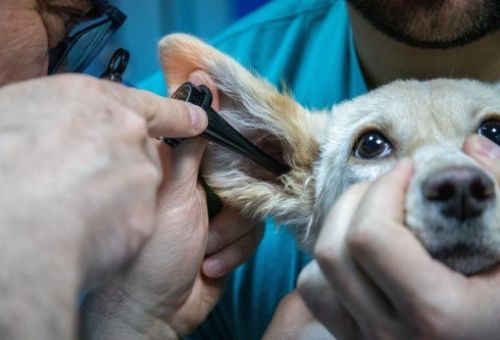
[(164, 116), (357, 292), (388, 252), (234, 242), (181, 166), (388, 195), (226, 227), (324, 304), (485, 152)]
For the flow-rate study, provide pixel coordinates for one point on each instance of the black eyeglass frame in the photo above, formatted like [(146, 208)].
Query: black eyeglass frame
[(110, 15)]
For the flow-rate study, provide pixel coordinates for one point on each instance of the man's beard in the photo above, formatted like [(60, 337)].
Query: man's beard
[(432, 23)]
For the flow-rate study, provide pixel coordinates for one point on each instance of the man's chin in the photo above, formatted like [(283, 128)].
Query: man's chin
[(436, 24), (421, 42)]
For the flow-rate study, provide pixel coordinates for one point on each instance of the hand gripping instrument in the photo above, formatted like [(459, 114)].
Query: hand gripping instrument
[(218, 130)]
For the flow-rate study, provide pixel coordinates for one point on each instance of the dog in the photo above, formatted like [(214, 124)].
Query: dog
[(452, 203)]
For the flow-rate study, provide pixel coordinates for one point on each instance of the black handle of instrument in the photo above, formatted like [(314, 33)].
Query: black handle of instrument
[(221, 132)]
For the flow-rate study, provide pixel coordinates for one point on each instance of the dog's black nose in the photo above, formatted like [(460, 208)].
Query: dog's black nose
[(463, 192)]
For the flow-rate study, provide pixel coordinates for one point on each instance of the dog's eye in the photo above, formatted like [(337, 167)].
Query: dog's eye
[(372, 144), (490, 129)]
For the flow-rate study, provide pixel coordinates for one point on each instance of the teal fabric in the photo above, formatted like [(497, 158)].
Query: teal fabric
[(307, 45)]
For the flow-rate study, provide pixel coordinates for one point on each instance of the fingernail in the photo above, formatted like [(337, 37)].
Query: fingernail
[(198, 117), (213, 242), (485, 147), (214, 268)]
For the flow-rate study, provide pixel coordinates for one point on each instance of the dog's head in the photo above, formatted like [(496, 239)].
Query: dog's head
[(452, 203)]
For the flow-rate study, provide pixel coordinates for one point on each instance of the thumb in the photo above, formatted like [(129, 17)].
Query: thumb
[(485, 152), (187, 156), (181, 165), (388, 193)]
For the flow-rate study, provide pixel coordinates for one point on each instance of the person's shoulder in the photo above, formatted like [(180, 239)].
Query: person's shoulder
[(275, 12)]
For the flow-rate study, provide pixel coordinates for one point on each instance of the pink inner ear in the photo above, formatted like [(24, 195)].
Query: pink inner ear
[(177, 69), (271, 146), (181, 55)]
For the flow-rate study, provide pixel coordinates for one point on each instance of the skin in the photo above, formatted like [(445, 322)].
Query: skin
[(384, 59), (89, 199), (158, 299)]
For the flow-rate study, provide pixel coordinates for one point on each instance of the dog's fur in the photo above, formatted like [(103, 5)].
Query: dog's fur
[(426, 121)]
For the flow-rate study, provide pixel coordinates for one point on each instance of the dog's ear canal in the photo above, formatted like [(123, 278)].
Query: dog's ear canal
[(272, 121)]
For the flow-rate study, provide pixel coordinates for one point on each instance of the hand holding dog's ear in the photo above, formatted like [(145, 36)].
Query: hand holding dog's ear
[(232, 238), (173, 285), (381, 283)]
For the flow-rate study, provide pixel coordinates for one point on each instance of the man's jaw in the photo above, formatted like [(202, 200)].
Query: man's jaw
[(436, 24)]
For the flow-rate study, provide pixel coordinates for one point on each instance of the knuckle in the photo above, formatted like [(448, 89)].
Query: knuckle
[(307, 281), (80, 83), (306, 290), (328, 257), (147, 101), (358, 239), (364, 233), (180, 112), (135, 124)]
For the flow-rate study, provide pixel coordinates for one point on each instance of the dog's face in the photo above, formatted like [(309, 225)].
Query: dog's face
[(452, 203)]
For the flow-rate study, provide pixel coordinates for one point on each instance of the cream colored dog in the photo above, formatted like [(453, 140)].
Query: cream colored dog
[(452, 203)]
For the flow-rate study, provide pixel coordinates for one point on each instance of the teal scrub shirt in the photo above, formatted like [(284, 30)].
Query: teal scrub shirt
[(307, 45)]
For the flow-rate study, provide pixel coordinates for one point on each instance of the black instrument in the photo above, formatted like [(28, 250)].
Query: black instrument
[(221, 132)]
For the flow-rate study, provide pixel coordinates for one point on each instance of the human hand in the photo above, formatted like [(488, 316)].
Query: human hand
[(293, 320), (178, 277), (79, 185), (373, 279)]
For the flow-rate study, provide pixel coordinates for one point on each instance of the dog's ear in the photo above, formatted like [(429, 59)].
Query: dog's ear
[(274, 122)]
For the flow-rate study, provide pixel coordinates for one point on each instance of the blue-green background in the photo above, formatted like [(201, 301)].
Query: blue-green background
[(149, 20)]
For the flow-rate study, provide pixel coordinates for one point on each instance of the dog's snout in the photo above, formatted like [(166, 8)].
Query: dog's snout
[(463, 192)]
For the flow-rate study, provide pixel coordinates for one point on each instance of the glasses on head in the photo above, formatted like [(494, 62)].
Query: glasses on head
[(86, 38)]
